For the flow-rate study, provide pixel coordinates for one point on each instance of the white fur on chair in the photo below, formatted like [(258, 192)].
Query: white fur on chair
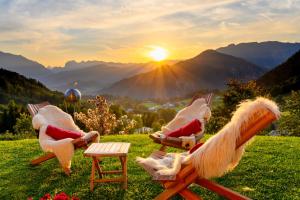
[(218, 154), (197, 110), (63, 149)]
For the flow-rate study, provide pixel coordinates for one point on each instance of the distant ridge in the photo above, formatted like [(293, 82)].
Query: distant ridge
[(265, 54), (208, 70), (283, 78), (22, 65)]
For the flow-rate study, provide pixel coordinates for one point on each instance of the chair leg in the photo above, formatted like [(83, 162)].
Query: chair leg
[(163, 148), (43, 158), (221, 190), (181, 185), (189, 195)]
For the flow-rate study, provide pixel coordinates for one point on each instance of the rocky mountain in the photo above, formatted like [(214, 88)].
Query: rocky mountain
[(283, 78), (208, 70), (265, 54), (22, 65), (14, 86)]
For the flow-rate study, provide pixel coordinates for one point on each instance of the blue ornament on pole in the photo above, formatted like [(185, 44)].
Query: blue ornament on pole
[(72, 95)]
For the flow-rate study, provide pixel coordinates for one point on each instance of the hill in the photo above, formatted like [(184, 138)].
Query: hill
[(269, 169), (209, 70), (22, 65), (14, 86), (265, 54), (283, 78)]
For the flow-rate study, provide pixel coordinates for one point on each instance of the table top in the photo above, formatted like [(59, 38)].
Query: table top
[(108, 149)]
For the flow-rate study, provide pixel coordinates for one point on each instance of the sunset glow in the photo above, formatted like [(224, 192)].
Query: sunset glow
[(120, 31)]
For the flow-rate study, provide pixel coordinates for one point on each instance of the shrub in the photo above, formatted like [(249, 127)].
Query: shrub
[(289, 123), (24, 125), (235, 93), (125, 125), (98, 118), (9, 115)]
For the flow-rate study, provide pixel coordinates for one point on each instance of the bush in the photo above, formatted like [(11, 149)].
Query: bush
[(235, 93), (98, 118), (289, 123), (125, 125), (10, 136), (24, 125), (9, 115)]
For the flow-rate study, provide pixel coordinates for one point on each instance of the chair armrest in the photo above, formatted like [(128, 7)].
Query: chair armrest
[(85, 140)]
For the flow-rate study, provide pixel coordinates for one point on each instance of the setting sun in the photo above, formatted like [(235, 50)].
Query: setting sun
[(158, 54)]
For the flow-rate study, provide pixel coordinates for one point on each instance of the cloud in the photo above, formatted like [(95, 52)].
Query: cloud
[(55, 31)]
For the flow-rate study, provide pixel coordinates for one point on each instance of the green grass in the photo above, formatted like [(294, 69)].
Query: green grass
[(269, 170)]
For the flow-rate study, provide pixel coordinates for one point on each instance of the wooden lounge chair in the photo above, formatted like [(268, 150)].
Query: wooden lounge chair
[(179, 183), (78, 143), (178, 142)]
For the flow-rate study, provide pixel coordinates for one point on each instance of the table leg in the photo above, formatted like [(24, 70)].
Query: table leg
[(92, 176), (98, 167), (124, 168)]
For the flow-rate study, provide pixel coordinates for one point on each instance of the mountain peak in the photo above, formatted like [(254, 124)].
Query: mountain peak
[(268, 54)]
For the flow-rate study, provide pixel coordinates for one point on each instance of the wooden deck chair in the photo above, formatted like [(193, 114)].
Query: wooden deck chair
[(178, 142), (78, 143), (179, 183)]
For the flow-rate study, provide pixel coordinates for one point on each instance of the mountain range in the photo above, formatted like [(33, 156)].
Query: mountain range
[(265, 54), (208, 70)]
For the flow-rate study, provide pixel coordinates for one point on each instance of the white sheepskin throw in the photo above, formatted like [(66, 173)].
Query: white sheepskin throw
[(219, 155), (168, 165), (197, 110), (63, 149)]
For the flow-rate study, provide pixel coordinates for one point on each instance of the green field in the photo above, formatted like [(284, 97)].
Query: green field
[(270, 169)]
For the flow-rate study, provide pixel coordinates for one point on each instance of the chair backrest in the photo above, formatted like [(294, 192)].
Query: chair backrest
[(207, 97), (55, 116), (258, 121), (34, 108)]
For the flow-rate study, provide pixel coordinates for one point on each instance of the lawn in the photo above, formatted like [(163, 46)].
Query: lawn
[(269, 170)]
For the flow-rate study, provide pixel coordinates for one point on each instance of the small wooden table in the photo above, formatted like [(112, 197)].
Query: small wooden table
[(108, 149)]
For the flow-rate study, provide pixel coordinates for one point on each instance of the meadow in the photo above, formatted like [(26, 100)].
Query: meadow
[(268, 170)]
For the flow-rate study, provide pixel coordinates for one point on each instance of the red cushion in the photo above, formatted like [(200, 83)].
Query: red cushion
[(59, 133), (195, 147), (187, 130)]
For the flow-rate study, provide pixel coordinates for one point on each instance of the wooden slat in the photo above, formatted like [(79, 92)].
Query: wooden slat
[(121, 179), (108, 149), (34, 108), (43, 158), (188, 194), (221, 190), (258, 125)]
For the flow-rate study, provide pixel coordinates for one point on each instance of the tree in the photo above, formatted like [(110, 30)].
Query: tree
[(9, 116), (235, 93)]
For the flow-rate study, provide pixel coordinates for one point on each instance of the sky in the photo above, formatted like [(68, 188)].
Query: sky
[(53, 32)]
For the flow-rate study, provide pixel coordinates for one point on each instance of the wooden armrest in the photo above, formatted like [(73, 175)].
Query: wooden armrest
[(84, 140)]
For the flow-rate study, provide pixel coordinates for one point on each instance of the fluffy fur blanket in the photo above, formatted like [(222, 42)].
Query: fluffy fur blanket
[(218, 155), (63, 149), (197, 110)]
